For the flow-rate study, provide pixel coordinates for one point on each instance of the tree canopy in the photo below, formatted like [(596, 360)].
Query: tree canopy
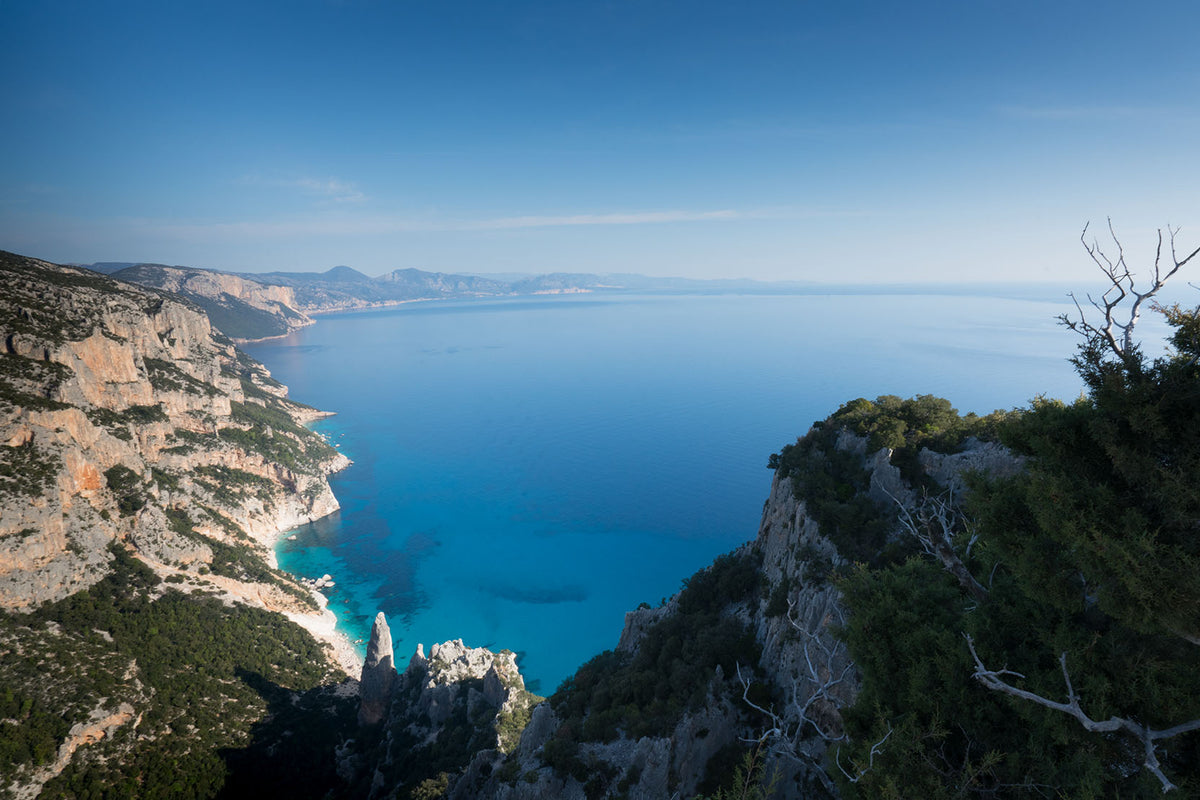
[(1077, 672)]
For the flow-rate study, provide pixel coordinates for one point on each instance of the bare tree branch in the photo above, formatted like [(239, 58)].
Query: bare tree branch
[(1116, 334), (810, 692), (932, 523), (994, 679), (813, 699), (859, 772), (782, 737)]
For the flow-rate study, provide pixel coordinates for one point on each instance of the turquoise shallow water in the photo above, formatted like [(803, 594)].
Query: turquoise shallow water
[(528, 470)]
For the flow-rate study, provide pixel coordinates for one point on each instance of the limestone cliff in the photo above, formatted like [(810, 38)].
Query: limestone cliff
[(124, 417), (146, 460), (243, 309), (420, 728), (274, 304)]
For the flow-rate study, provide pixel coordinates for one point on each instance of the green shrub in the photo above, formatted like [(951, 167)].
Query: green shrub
[(645, 693), (205, 677), (127, 486), (28, 469), (143, 415)]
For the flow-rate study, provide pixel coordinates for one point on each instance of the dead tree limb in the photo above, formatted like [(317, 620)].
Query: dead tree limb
[(932, 522), (1117, 333), (995, 680), (810, 691), (828, 667), (859, 772)]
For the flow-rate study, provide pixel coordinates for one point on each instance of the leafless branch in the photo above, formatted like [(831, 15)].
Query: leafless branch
[(932, 523), (994, 679), (859, 772), (820, 677), (809, 692), (813, 699), (1117, 334)]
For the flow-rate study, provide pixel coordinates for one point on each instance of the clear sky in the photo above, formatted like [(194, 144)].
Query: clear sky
[(839, 140)]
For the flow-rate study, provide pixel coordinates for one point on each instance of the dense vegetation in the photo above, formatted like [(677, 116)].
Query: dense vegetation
[(200, 676), (1091, 563), (271, 432), (833, 481)]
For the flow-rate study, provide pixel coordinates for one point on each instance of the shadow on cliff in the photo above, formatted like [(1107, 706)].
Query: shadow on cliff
[(291, 752)]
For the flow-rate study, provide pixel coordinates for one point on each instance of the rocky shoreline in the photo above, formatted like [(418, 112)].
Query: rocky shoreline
[(323, 626)]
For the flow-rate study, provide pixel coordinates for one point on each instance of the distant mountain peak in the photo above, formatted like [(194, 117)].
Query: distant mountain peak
[(344, 274)]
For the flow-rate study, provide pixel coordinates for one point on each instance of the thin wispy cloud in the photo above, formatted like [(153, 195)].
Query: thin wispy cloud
[(374, 225), (1072, 113), (338, 191), (635, 218)]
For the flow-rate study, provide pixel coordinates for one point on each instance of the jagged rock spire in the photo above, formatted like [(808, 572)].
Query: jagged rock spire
[(378, 674)]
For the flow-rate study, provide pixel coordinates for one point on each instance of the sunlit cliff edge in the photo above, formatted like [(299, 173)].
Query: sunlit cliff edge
[(138, 447), (127, 418)]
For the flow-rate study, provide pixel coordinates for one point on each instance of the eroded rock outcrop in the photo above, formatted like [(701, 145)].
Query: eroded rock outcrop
[(446, 708), (378, 674)]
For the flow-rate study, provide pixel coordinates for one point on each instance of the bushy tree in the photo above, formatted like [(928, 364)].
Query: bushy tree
[(1077, 672)]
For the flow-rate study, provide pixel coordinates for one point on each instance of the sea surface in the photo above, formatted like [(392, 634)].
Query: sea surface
[(528, 470)]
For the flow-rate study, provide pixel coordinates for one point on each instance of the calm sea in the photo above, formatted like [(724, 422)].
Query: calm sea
[(528, 470)]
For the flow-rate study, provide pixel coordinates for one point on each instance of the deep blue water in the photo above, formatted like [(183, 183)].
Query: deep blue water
[(528, 470)]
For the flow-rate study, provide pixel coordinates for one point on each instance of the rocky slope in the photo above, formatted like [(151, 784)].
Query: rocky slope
[(125, 417), (742, 664), (241, 308), (130, 427)]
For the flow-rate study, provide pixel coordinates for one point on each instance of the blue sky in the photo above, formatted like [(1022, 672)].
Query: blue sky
[(837, 141)]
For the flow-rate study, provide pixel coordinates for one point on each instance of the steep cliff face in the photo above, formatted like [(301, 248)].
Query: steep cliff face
[(124, 417), (146, 467), (243, 309)]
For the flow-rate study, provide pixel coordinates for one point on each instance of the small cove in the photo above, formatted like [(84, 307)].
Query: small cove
[(527, 470)]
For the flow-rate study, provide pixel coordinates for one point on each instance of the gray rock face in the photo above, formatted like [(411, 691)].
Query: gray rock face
[(475, 695), (378, 674), (990, 458), (446, 677), (637, 623), (153, 536)]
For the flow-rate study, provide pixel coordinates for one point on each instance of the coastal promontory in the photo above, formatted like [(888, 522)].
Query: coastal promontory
[(146, 468)]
